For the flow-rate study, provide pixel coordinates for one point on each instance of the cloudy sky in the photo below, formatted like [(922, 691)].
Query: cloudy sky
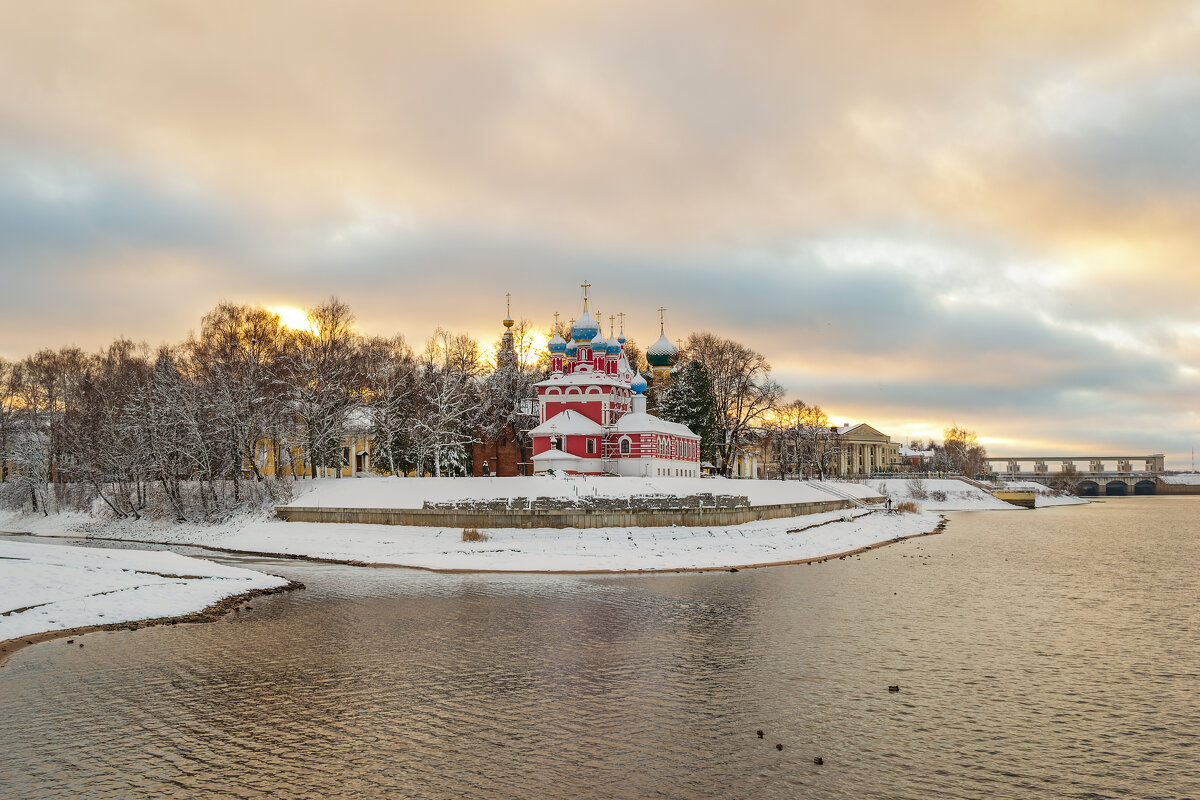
[(922, 213)]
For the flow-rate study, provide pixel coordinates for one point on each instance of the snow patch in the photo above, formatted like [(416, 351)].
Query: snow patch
[(52, 587)]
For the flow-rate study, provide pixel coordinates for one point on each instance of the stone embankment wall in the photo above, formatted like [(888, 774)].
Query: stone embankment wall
[(582, 513), (1162, 487)]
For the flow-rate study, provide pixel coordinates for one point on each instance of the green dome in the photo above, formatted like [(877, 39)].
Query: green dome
[(662, 353)]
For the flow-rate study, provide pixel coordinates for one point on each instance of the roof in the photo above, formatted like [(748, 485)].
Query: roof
[(662, 352), (583, 378), (556, 455), (641, 422), (568, 423), (862, 428)]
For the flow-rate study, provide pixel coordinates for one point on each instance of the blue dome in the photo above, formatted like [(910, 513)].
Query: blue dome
[(557, 345), (585, 328), (638, 384), (613, 347), (572, 346), (621, 338)]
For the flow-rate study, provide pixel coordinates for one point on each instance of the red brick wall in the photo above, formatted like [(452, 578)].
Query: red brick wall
[(503, 457)]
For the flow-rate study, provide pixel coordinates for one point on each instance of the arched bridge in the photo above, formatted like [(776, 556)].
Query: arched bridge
[(1087, 475)]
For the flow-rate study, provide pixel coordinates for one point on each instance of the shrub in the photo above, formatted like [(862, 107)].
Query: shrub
[(916, 489), (939, 495), (473, 535), (906, 507)]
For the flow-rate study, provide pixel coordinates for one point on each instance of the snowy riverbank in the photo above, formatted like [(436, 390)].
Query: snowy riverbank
[(374, 492), (949, 494), (549, 549), (591, 550), (56, 588)]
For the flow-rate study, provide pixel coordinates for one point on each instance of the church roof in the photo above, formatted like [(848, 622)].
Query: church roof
[(584, 378), (641, 422), (568, 423), (662, 353), (556, 455), (585, 328)]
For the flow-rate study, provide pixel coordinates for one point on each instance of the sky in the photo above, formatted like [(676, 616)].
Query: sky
[(923, 214)]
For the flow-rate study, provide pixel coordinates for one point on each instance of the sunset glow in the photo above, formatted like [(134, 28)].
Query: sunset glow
[(1019, 257), (294, 318)]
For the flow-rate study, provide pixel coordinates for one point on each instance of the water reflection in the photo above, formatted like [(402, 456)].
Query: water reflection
[(1039, 654)]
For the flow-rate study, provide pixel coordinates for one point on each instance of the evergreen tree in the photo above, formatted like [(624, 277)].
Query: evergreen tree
[(689, 400)]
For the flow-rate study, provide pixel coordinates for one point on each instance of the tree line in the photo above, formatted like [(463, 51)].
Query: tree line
[(189, 429), (194, 424)]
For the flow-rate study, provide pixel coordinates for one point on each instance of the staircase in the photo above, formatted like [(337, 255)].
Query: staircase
[(825, 487)]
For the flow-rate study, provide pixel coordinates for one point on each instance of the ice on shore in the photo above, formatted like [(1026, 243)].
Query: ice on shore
[(52, 587)]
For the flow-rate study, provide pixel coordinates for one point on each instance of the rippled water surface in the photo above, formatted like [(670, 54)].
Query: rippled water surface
[(1039, 654)]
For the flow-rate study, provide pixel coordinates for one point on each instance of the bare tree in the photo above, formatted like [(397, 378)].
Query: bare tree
[(448, 405), (391, 375), (744, 392), (8, 416), (321, 379), (804, 442), (963, 451)]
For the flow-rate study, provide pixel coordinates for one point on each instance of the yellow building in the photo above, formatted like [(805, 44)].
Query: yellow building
[(272, 459), (863, 450)]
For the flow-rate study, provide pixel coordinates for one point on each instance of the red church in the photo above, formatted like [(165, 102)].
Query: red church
[(593, 410)]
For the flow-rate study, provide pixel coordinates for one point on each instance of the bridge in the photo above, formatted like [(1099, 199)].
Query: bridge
[(1087, 475)]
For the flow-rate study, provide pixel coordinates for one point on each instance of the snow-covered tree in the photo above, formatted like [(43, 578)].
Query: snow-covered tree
[(689, 400), (448, 402), (391, 374), (322, 382)]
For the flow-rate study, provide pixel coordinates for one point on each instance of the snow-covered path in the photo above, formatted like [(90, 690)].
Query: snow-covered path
[(51, 587)]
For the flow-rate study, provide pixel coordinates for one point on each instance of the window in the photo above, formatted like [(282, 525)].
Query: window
[(591, 445), (624, 446)]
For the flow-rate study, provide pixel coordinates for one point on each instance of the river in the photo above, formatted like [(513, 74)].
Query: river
[(1049, 653)]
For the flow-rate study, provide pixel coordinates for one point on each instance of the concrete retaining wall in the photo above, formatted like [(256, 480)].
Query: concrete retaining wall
[(1025, 499), (560, 518), (1161, 487)]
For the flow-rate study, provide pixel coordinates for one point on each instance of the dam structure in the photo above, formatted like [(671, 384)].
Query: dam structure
[(1088, 476)]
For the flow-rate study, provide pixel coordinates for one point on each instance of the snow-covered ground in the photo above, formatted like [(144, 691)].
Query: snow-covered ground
[(1186, 479), (946, 494), (548, 549), (51, 587), (415, 492), (572, 549)]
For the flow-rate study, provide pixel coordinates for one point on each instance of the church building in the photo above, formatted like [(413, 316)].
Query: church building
[(592, 408)]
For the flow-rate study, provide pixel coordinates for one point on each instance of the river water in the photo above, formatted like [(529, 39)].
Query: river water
[(1049, 653)]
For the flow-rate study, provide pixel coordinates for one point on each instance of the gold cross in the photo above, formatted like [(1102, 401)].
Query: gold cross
[(585, 286), (622, 317), (556, 322), (507, 305), (611, 319), (661, 318)]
